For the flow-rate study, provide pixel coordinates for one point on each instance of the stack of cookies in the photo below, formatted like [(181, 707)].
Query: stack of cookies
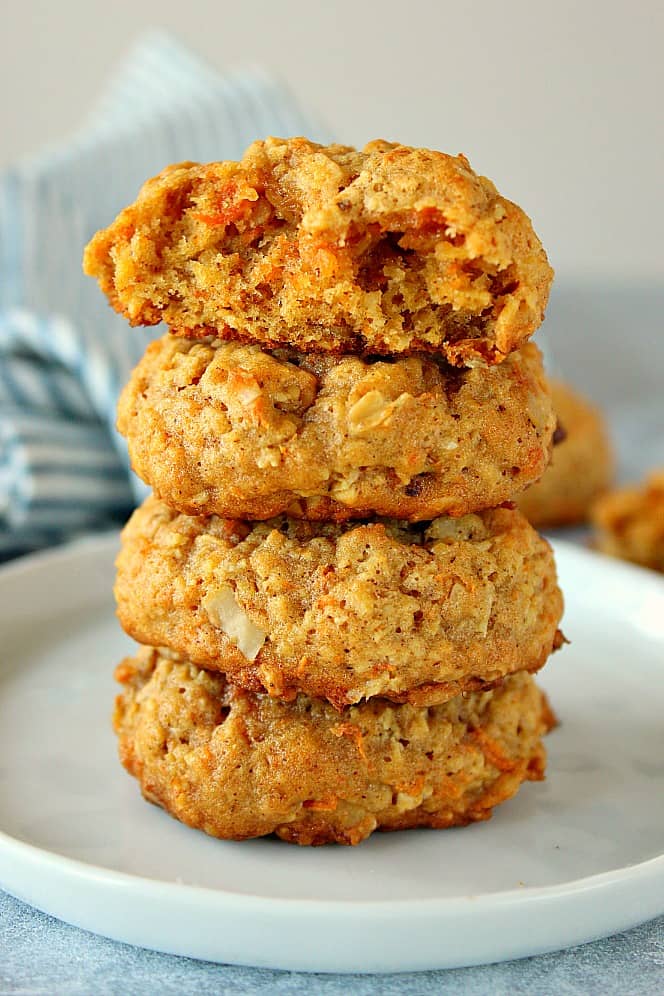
[(340, 605)]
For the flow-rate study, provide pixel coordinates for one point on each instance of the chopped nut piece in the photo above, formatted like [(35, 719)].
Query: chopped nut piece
[(450, 529), (373, 410), (224, 612)]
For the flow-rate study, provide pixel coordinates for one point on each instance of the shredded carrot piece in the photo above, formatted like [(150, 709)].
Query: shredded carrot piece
[(124, 672), (325, 805), (492, 752), (230, 208)]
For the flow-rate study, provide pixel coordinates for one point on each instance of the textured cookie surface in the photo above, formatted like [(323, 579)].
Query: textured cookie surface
[(343, 611), (629, 522), (383, 250), (581, 465), (224, 428), (238, 764)]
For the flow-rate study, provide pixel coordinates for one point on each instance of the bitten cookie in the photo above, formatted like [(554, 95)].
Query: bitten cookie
[(386, 250), (238, 764), (581, 466), (343, 611), (629, 522), (223, 428)]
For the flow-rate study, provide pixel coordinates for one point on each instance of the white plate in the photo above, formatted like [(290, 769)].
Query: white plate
[(575, 858)]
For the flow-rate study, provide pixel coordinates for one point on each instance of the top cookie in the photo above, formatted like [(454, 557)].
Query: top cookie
[(387, 250)]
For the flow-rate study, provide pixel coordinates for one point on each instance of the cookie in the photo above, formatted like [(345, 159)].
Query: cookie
[(581, 466), (343, 611), (629, 522), (237, 764), (228, 429), (385, 250)]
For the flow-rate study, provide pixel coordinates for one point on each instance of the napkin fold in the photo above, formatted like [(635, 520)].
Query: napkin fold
[(64, 354)]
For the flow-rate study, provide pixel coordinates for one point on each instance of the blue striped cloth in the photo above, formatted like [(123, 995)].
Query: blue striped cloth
[(64, 355)]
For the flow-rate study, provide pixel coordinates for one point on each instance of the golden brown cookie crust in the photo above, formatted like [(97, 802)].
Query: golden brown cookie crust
[(238, 764), (581, 465), (228, 429), (629, 522), (386, 250), (343, 611)]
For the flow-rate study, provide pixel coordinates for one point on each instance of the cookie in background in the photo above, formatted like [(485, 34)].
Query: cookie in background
[(581, 468), (629, 522)]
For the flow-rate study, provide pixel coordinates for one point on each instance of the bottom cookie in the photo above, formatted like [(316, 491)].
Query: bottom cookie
[(239, 764)]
